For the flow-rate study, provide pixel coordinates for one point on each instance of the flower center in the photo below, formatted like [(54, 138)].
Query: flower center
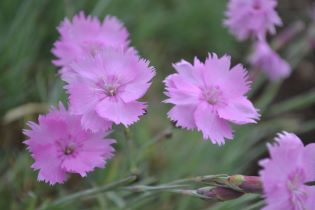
[(297, 189), (256, 5), (92, 47), (212, 95), (68, 150), (110, 90)]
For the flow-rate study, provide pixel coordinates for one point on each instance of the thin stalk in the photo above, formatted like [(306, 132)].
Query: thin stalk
[(145, 188), (130, 151), (92, 191)]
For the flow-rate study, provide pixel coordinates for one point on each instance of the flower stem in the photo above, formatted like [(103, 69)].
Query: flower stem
[(130, 151), (92, 191)]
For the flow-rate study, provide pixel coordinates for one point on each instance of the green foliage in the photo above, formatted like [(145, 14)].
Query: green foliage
[(163, 31)]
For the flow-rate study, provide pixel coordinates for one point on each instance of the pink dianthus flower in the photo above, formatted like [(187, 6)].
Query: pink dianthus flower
[(285, 173), (209, 97), (59, 146), (269, 62), (107, 88), (252, 18), (86, 35)]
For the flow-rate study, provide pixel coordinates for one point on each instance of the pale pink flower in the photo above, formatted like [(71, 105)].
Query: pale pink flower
[(86, 35), (252, 18), (267, 60), (59, 146), (108, 86), (285, 173), (209, 97)]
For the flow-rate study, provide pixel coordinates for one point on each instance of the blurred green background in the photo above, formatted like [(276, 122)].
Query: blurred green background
[(164, 32)]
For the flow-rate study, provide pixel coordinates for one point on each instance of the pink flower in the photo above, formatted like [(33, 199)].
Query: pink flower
[(209, 97), (107, 88), (285, 173), (269, 61), (247, 18), (86, 35), (60, 146)]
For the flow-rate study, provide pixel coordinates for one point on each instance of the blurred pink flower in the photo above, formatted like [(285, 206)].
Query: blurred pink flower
[(285, 173), (209, 97), (86, 35), (107, 88), (269, 61), (60, 146), (252, 18)]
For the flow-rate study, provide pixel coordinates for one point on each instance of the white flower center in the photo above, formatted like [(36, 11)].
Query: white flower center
[(212, 95), (110, 90), (110, 86)]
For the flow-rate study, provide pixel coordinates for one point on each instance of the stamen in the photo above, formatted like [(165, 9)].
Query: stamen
[(212, 95), (68, 150)]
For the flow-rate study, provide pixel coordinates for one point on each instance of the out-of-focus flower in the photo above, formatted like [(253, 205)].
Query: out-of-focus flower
[(86, 35), (209, 97), (267, 60), (252, 18), (107, 88), (60, 146), (285, 173)]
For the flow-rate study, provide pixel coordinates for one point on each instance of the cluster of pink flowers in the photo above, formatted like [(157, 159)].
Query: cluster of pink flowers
[(105, 79), (254, 19), (285, 174)]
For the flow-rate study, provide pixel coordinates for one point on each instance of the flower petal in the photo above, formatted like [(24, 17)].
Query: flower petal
[(186, 70), (309, 161), (120, 112), (133, 91), (94, 153), (48, 164), (83, 97), (181, 91), (212, 127), (240, 111), (183, 115), (92, 121), (235, 83)]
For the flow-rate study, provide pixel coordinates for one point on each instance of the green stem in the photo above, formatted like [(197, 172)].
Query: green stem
[(130, 151), (92, 191)]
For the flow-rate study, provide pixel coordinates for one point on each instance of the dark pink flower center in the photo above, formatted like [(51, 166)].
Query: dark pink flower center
[(212, 95), (296, 188), (68, 150), (67, 147), (256, 6)]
